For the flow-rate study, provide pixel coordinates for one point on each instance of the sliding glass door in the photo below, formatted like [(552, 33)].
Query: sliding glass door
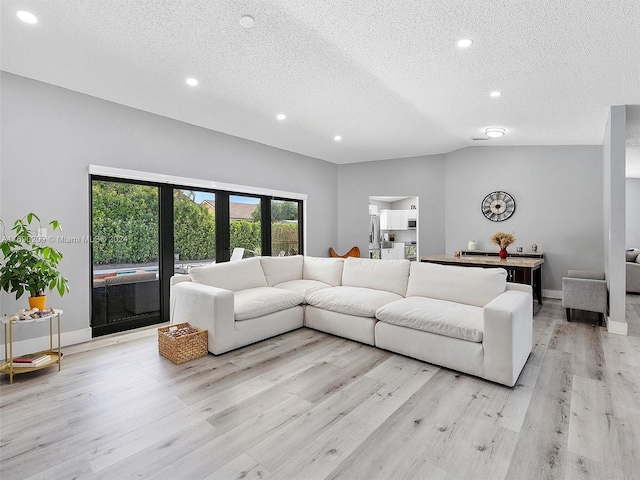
[(125, 250), (142, 234)]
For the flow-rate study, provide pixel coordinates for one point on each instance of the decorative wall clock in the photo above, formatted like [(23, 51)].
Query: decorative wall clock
[(498, 206)]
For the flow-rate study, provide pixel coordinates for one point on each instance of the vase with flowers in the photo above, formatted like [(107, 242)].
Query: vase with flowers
[(503, 240)]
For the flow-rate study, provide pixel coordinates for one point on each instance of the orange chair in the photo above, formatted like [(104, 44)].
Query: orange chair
[(354, 252)]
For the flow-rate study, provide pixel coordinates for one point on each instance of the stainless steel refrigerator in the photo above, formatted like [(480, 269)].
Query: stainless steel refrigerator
[(374, 236)]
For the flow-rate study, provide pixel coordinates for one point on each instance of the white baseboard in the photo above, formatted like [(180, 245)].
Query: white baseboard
[(619, 328), (552, 294), (31, 345)]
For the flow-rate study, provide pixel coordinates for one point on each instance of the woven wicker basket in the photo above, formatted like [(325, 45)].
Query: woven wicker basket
[(182, 342)]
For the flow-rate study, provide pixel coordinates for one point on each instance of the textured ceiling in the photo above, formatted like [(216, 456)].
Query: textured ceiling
[(385, 75)]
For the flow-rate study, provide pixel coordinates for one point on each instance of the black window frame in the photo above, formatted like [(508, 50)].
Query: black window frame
[(166, 234)]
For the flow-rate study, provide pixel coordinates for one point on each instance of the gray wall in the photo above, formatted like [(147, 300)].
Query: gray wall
[(50, 135), (57, 133), (558, 194), (633, 212), (421, 177)]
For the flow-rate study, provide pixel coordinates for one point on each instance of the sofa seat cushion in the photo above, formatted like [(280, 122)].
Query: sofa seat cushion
[(446, 318), (358, 301), (257, 302), (303, 287)]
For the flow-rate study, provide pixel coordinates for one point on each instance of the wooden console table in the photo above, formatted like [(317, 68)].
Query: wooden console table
[(519, 269)]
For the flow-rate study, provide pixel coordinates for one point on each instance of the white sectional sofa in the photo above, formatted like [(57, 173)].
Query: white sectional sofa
[(467, 319)]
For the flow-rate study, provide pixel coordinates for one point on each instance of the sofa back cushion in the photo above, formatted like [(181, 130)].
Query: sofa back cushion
[(232, 276), (327, 270), (469, 285), (281, 269), (389, 275)]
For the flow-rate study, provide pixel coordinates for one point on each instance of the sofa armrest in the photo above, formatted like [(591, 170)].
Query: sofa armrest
[(521, 287), (507, 335), (179, 278), (206, 308)]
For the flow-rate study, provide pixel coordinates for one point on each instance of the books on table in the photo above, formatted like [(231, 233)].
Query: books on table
[(30, 360)]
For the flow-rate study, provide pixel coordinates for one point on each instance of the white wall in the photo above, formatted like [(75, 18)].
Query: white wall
[(50, 135), (614, 199), (558, 195), (633, 212), (422, 177)]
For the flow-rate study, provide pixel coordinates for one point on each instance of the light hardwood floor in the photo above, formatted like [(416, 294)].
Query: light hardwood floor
[(307, 405)]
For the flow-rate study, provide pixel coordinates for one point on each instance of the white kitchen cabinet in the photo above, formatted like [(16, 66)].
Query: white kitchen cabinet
[(395, 253), (393, 219), (388, 254), (384, 219)]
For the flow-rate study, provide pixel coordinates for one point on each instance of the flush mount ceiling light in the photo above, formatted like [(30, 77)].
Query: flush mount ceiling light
[(192, 82), (337, 138), (495, 94), (247, 21), (26, 17), (465, 42), (495, 132), (281, 116)]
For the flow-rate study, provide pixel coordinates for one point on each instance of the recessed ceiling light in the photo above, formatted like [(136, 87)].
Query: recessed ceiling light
[(465, 42), (26, 17), (494, 132), (281, 116), (247, 21), (192, 82), (337, 138), (495, 94)]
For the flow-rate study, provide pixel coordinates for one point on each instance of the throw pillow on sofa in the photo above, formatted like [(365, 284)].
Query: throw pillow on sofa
[(632, 255)]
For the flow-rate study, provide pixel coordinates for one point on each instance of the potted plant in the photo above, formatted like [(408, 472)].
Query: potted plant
[(28, 264)]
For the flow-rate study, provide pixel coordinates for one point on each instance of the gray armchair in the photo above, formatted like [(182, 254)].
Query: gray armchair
[(585, 291), (633, 270)]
